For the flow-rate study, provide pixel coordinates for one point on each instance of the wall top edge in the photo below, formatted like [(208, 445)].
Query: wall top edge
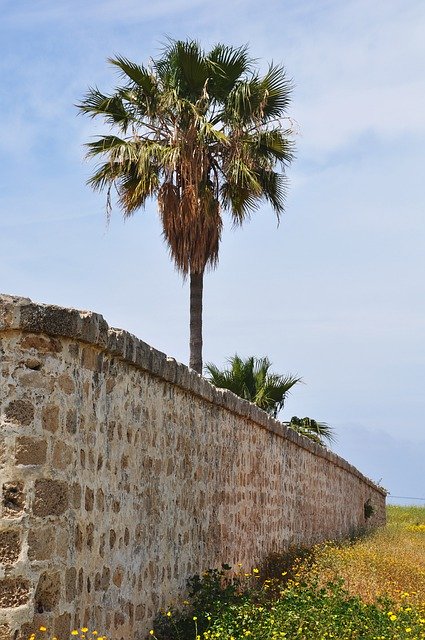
[(22, 314)]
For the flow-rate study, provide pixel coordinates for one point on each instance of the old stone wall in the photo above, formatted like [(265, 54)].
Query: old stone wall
[(123, 473)]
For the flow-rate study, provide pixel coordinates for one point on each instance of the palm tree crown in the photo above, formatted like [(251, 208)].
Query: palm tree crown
[(251, 379), (201, 133)]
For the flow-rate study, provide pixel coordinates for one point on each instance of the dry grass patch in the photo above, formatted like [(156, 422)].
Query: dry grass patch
[(389, 562)]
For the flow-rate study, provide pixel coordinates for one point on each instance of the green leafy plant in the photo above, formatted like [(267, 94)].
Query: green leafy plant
[(317, 431), (251, 379), (207, 594)]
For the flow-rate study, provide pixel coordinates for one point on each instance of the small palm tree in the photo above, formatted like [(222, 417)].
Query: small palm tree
[(251, 379), (319, 432), (201, 133)]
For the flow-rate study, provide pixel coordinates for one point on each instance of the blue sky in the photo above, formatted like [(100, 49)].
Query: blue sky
[(334, 294)]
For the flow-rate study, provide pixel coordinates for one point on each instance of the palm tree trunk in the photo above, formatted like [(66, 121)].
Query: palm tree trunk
[(196, 288)]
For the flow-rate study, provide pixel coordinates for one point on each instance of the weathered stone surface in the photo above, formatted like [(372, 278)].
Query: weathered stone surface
[(137, 474), (47, 593), (5, 632), (41, 543), (10, 546), (70, 584), (13, 499), (50, 417), (40, 344), (30, 451), (14, 592), (89, 499), (62, 455), (62, 626), (20, 411), (50, 497)]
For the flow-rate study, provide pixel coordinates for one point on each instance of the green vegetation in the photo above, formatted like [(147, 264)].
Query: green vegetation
[(370, 589), (317, 431), (251, 379), (201, 133)]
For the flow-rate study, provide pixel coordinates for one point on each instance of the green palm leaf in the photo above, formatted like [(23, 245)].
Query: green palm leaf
[(251, 379)]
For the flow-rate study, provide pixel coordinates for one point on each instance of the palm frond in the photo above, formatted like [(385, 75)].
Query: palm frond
[(273, 186), (183, 67), (110, 108), (136, 73), (104, 176), (239, 201), (226, 66), (273, 145), (276, 90), (112, 145), (241, 103), (136, 187), (319, 432)]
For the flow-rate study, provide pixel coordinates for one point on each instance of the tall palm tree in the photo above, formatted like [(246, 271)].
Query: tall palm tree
[(251, 379), (201, 133)]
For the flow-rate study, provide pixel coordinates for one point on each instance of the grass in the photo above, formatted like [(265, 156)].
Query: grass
[(389, 562)]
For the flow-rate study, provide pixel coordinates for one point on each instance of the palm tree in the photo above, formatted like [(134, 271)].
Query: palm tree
[(319, 432), (201, 133), (251, 379)]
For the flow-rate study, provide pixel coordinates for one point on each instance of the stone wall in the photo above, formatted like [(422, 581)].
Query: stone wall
[(123, 473)]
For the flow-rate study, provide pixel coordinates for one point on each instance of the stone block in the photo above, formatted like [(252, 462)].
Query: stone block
[(76, 495), (30, 451), (42, 344), (50, 418), (20, 412), (47, 593), (70, 584), (5, 632), (13, 499), (62, 626), (66, 383), (91, 359), (41, 543), (89, 499), (10, 547), (14, 592), (118, 576), (62, 455), (71, 421), (50, 497)]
